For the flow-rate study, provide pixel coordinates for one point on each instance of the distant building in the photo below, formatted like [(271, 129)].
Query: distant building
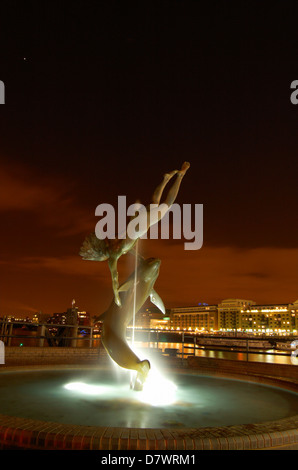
[(229, 311), (57, 319), (198, 318), (72, 316), (270, 319), (293, 308), (232, 315), (152, 318)]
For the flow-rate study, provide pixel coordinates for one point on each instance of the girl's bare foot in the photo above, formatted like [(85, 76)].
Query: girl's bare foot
[(184, 168)]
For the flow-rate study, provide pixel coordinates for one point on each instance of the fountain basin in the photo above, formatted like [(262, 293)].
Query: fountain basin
[(40, 407)]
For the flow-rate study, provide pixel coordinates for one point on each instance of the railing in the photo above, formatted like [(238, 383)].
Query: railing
[(48, 334), (66, 335)]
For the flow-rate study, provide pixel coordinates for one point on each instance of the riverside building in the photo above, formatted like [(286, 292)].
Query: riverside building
[(229, 313), (236, 315), (270, 319), (200, 318)]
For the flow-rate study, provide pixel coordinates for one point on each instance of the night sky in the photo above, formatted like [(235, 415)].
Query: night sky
[(103, 98)]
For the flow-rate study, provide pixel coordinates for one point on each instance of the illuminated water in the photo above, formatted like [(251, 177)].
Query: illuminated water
[(259, 356), (101, 397), (283, 357)]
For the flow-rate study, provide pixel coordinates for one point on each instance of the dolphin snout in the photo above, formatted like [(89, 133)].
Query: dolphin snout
[(151, 268), (154, 263)]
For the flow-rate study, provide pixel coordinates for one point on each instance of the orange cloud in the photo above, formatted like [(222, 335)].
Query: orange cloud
[(45, 271), (214, 273), (53, 201)]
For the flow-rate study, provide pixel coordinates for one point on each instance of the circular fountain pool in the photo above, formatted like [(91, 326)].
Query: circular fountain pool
[(98, 397), (93, 407)]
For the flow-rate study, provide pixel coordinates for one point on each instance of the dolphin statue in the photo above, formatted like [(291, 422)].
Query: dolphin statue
[(116, 318)]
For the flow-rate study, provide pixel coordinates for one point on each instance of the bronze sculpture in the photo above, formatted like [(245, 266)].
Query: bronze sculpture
[(116, 319), (132, 294), (100, 250)]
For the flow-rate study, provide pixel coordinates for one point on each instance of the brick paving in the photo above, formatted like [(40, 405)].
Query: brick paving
[(26, 433)]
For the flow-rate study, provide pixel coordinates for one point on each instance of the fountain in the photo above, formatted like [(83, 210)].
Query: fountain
[(141, 404), (133, 293), (92, 407)]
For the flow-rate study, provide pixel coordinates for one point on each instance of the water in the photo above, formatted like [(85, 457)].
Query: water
[(28, 339), (235, 355), (103, 399)]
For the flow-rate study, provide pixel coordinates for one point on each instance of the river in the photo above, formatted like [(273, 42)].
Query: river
[(28, 338), (269, 356)]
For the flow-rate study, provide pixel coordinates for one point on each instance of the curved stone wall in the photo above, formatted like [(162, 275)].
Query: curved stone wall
[(21, 433), (32, 434)]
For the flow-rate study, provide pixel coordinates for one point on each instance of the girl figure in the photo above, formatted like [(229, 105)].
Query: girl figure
[(95, 249)]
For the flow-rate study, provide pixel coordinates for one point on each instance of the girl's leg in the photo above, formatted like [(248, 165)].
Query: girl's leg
[(154, 214), (172, 194), (159, 190)]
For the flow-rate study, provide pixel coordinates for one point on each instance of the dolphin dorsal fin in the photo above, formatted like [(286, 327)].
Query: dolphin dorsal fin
[(156, 300)]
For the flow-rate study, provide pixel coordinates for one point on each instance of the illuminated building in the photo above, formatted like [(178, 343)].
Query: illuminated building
[(57, 319), (229, 310), (293, 308), (270, 319), (151, 318), (84, 318), (232, 315), (229, 316), (198, 318), (71, 317)]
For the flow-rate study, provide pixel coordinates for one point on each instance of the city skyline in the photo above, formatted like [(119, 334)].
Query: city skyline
[(103, 108), (230, 316), (150, 308)]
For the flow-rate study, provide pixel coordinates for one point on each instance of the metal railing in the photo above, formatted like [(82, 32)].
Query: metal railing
[(74, 335), (53, 334)]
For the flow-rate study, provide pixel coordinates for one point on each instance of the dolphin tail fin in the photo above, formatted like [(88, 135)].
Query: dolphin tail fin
[(156, 300), (143, 370)]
